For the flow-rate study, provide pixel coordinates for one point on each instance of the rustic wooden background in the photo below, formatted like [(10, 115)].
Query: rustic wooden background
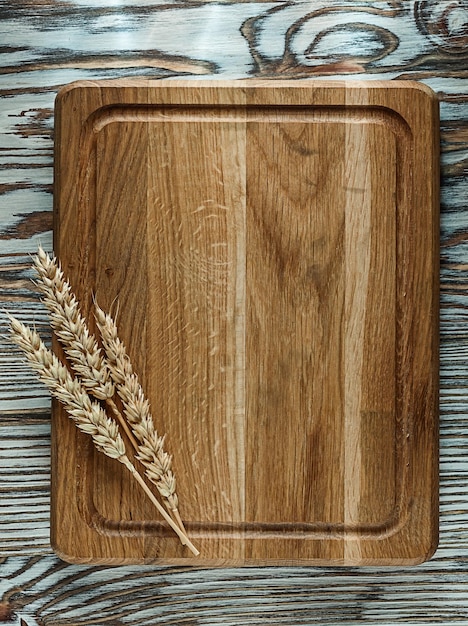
[(47, 43)]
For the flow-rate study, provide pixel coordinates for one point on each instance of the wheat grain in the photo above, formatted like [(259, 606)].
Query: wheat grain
[(151, 451)]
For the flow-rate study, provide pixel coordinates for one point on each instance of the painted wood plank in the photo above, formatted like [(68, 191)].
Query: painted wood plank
[(49, 592), (24, 483), (265, 39)]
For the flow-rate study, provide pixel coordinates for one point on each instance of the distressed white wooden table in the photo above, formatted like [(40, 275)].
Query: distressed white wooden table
[(47, 43)]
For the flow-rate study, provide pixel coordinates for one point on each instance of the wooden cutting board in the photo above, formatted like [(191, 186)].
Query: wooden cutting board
[(273, 248)]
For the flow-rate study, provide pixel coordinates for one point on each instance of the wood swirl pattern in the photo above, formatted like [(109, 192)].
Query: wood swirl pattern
[(46, 44)]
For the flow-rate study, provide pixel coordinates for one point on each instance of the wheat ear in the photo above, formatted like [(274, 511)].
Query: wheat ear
[(151, 451), (88, 415), (70, 327), (87, 360)]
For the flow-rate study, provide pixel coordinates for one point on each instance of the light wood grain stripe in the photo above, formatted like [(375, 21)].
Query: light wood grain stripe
[(358, 260)]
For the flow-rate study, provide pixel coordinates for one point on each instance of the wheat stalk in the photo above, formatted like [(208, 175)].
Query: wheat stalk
[(102, 374), (70, 327), (98, 375), (88, 415), (151, 451)]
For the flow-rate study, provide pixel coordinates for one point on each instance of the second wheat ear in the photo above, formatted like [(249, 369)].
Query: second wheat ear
[(150, 447), (99, 373)]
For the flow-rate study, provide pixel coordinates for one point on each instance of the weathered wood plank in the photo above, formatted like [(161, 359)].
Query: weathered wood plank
[(51, 593), (24, 483), (45, 44)]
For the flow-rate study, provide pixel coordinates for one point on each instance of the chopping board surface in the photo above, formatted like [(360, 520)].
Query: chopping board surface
[(273, 249)]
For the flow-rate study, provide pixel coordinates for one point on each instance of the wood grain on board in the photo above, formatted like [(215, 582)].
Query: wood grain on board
[(274, 253)]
